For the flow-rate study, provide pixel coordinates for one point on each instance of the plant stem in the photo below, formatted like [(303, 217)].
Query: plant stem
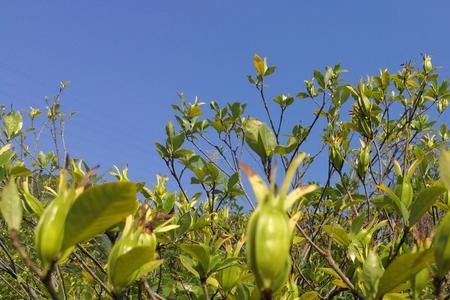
[(205, 289)]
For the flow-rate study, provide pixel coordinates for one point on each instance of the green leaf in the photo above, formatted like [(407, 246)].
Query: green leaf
[(270, 70), (319, 78), (396, 296), (188, 265), (337, 232), (32, 204), (403, 268), (199, 253), (167, 228), (170, 130), (260, 138), (169, 203), (398, 204), (19, 171), (148, 267), (311, 295), (178, 141), (6, 158), (302, 95), (11, 205), (13, 124), (444, 167), (97, 209), (425, 199), (232, 181), (222, 263), (288, 148), (441, 246)]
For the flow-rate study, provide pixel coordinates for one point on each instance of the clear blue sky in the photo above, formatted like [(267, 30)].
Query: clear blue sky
[(128, 59)]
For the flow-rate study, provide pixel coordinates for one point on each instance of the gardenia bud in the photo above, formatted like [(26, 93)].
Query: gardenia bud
[(336, 157), (268, 242), (50, 229), (363, 160), (269, 229), (133, 237), (427, 65)]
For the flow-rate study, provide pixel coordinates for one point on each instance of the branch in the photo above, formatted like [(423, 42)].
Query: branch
[(46, 278), (92, 273)]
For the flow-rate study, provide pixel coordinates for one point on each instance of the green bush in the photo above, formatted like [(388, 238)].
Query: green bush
[(362, 215)]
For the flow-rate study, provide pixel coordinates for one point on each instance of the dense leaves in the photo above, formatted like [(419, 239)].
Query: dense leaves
[(359, 209)]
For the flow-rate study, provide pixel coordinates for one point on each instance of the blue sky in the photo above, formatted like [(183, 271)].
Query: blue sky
[(128, 59)]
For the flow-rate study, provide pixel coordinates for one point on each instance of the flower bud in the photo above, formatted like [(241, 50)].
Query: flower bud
[(283, 276), (336, 157), (363, 160), (268, 242), (138, 244), (427, 65), (50, 228), (269, 231)]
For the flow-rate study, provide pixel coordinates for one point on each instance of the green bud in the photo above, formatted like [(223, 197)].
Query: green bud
[(269, 230), (363, 160), (427, 65), (50, 228), (268, 242), (283, 276), (133, 255), (336, 157)]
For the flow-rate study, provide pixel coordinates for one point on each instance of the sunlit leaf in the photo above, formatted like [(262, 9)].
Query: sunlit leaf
[(13, 123), (11, 206), (403, 268), (97, 209), (444, 167), (441, 246), (260, 65), (425, 199)]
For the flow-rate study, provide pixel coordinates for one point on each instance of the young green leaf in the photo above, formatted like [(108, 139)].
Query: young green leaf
[(260, 65), (13, 124), (444, 167), (403, 268), (11, 205), (97, 209), (441, 246), (425, 199), (199, 253)]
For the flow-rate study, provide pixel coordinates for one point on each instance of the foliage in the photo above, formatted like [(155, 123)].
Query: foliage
[(374, 225)]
